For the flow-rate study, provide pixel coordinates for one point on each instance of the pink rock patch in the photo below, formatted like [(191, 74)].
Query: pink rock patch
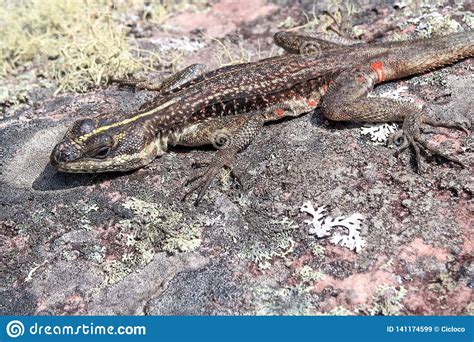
[(417, 248), (465, 220), (114, 196), (224, 16), (357, 288), (421, 301), (340, 253)]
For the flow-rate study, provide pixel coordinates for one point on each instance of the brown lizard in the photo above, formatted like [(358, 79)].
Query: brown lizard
[(195, 108)]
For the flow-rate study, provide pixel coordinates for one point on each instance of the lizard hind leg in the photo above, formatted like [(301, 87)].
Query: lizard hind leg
[(346, 100)]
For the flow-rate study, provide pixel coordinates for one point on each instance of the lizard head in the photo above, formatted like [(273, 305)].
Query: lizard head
[(98, 145)]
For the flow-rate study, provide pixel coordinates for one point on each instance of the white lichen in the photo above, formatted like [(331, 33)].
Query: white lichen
[(379, 133), (319, 228), (324, 226), (32, 271)]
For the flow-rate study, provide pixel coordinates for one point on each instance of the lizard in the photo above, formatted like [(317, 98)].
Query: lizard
[(196, 107)]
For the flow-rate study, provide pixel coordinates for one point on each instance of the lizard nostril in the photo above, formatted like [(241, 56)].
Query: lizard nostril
[(56, 156), (61, 154)]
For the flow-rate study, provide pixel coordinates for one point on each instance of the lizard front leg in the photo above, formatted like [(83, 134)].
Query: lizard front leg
[(232, 133), (238, 131), (346, 99), (174, 81)]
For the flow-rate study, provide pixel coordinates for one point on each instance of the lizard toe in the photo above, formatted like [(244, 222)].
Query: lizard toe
[(465, 127), (435, 151), (459, 123), (204, 179), (403, 140)]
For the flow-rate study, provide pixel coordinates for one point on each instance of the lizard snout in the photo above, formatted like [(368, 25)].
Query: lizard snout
[(63, 153)]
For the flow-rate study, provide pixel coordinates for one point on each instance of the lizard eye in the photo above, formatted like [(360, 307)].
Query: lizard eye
[(102, 153)]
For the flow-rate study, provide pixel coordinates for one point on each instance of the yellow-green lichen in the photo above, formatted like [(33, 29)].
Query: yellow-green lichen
[(115, 271), (159, 224), (185, 241), (388, 300), (236, 51), (336, 16), (292, 300), (273, 241), (262, 250), (443, 284), (151, 228), (308, 275), (317, 250), (470, 309)]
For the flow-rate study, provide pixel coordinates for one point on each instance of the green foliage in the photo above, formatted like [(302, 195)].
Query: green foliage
[(75, 43)]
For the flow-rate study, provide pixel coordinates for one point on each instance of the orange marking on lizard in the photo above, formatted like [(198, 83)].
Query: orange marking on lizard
[(312, 103), (377, 66), (279, 112)]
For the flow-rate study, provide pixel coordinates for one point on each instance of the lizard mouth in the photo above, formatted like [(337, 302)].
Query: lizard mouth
[(119, 163), (90, 165)]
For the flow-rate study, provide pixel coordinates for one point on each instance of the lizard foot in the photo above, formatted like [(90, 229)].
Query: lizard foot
[(223, 158), (402, 140)]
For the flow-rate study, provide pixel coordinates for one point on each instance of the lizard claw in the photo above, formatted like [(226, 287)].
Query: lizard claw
[(205, 178), (464, 126), (437, 152), (457, 123)]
